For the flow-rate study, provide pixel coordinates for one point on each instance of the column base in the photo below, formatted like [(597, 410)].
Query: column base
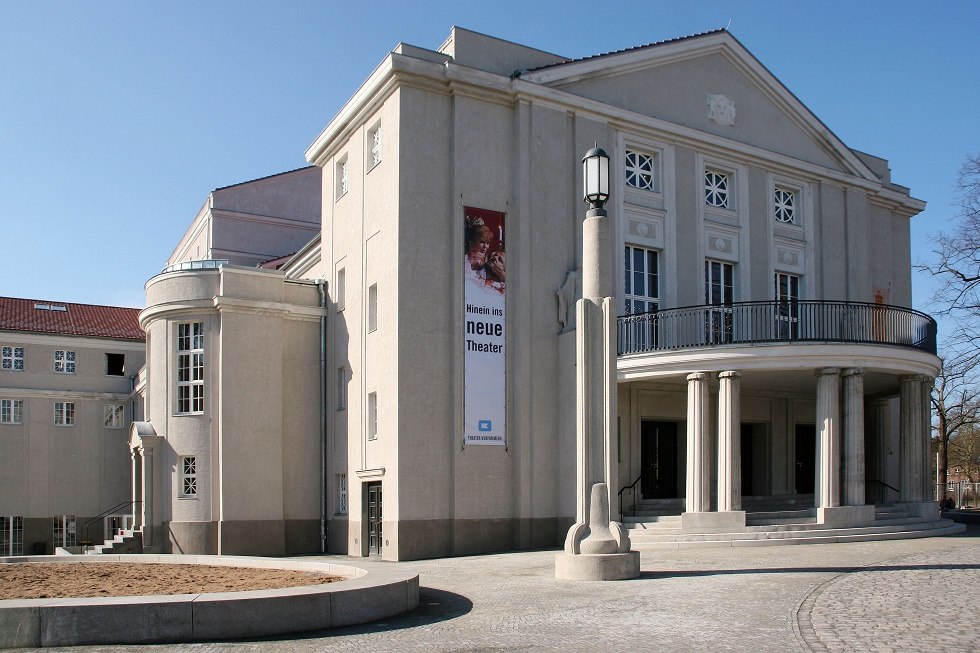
[(928, 510), (846, 516), (732, 521), (597, 566)]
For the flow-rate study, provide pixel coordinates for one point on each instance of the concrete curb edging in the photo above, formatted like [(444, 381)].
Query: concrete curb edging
[(363, 597)]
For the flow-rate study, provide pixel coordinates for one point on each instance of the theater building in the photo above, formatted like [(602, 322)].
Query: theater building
[(403, 385)]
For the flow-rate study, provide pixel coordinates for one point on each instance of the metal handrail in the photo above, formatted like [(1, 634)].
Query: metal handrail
[(894, 489), (631, 486), (84, 527), (773, 322)]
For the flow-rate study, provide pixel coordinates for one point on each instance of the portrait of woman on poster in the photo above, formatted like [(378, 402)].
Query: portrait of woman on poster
[(483, 268)]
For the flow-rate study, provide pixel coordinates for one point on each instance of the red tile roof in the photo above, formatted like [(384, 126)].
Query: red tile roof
[(75, 320)]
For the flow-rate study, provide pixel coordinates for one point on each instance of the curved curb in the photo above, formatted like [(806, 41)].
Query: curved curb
[(364, 596)]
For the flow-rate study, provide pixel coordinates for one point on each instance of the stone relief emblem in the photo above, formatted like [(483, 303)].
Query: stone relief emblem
[(721, 110)]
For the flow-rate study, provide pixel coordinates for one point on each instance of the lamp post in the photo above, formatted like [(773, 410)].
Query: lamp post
[(596, 548)]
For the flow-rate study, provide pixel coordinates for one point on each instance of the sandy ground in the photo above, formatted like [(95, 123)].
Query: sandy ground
[(39, 580)]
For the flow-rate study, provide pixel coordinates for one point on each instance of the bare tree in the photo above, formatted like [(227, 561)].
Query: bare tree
[(956, 406), (957, 263)]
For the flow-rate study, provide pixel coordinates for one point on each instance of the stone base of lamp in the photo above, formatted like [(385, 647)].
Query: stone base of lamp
[(846, 516), (732, 521), (597, 566)]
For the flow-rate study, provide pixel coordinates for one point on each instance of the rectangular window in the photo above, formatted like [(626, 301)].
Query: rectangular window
[(343, 177), (716, 189), (12, 359), (188, 476), (190, 367), (63, 530), (640, 171), (341, 494), (114, 416), (342, 387), (115, 364), (11, 536), (787, 292), (64, 361), (64, 413), (372, 307), (375, 140), (784, 205), (11, 411), (642, 290), (372, 416), (718, 291), (340, 291)]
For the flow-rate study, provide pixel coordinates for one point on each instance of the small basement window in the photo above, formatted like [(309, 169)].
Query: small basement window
[(115, 364)]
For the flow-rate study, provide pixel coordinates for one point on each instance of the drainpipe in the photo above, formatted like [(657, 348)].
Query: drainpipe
[(321, 285)]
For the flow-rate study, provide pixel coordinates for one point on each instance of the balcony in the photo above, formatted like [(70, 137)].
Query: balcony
[(746, 323)]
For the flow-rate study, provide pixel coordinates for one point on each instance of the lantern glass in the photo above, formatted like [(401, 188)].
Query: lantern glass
[(595, 171)]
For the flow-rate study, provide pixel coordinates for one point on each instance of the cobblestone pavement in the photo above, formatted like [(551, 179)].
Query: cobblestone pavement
[(908, 595)]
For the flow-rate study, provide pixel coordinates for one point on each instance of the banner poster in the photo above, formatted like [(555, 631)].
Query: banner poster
[(484, 336)]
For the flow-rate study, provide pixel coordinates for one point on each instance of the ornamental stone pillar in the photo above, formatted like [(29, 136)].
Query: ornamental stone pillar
[(729, 443), (698, 479), (854, 437), (135, 491), (147, 507), (828, 438), (912, 433)]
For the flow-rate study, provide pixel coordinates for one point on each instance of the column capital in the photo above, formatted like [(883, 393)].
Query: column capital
[(732, 374), (853, 371), (698, 376), (912, 378), (827, 371)]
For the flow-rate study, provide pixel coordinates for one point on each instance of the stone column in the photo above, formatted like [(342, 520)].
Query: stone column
[(698, 479), (928, 486), (911, 434), (729, 443), (147, 523), (828, 438), (877, 460), (854, 437), (135, 491)]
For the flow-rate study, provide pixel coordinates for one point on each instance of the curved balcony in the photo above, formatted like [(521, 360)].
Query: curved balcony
[(744, 323)]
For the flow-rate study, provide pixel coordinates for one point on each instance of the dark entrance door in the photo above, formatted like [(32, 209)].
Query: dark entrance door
[(658, 460), (747, 456), (374, 518), (806, 458)]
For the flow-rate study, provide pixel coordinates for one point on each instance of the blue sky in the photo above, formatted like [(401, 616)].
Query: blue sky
[(118, 118)]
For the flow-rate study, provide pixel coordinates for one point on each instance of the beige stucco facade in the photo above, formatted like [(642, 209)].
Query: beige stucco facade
[(501, 127)]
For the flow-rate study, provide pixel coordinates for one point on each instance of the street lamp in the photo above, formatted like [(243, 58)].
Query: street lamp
[(597, 547)]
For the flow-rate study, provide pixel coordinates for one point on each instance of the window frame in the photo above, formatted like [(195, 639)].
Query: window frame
[(64, 530), (374, 146), (372, 307), (11, 411), (342, 181), (372, 415), (10, 355), (11, 535), (116, 419), (343, 495), (341, 379), (66, 361), (122, 368), (633, 170), (190, 376), (188, 487), (66, 411), (727, 193)]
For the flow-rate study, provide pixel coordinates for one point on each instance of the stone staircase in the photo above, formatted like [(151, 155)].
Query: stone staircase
[(128, 541), (775, 520)]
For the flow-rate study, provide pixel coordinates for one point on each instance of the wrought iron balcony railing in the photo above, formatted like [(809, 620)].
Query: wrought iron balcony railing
[(759, 322)]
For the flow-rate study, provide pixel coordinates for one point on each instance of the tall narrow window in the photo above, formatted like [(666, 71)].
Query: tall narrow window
[(188, 476), (12, 358), (343, 177), (64, 413), (787, 292), (375, 136), (340, 290), (11, 411), (342, 387), (716, 189), (114, 416), (341, 494), (718, 291), (12, 536), (63, 530), (190, 367), (372, 307), (640, 171), (372, 416), (64, 361), (642, 290)]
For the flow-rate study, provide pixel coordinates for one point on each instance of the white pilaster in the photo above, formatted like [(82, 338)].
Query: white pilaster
[(147, 522), (854, 437), (135, 488), (729, 443), (828, 438), (698, 478)]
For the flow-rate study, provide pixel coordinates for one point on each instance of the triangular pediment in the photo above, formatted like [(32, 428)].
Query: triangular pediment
[(711, 84)]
